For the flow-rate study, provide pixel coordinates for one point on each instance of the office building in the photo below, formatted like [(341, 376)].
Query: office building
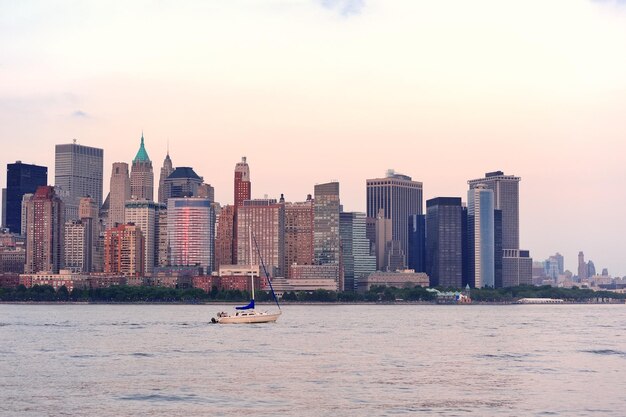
[(517, 268), (123, 250), (224, 236), (74, 246), (141, 175), (21, 179), (44, 231), (119, 193), (444, 256), (93, 249), (145, 215), (326, 210), (417, 243), (242, 192), (182, 182), (481, 236), (166, 171), (356, 259), (78, 173), (399, 197), (191, 232)]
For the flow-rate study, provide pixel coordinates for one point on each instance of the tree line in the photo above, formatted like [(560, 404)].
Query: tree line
[(128, 294)]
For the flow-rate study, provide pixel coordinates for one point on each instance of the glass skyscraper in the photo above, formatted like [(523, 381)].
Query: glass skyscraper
[(355, 246), (481, 236), (444, 241), (21, 179)]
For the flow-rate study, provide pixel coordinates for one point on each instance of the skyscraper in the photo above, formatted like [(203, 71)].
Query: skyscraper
[(92, 251), (119, 193), (141, 175), (44, 231), (182, 182), (224, 236), (357, 261), (265, 218), (582, 267), (399, 196), (191, 232), (74, 245), (242, 192), (145, 214), (326, 224), (298, 234), (481, 236), (444, 255), (78, 173), (166, 170), (417, 243), (21, 179)]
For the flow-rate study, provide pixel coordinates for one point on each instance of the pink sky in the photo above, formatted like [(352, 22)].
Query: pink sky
[(312, 91)]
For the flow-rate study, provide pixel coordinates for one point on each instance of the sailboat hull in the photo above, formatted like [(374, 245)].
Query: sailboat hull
[(248, 316)]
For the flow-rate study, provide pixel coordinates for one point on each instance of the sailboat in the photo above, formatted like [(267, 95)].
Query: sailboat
[(247, 313)]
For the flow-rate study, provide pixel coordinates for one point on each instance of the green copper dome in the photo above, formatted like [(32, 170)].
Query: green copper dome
[(142, 155)]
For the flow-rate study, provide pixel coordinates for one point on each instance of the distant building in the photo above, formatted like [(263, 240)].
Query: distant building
[(65, 278), (583, 272), (357, 261), (313, 277), (206, 191), (74, 246), (93, 248), (145, 215), (326, 224), (182, 182), (191, 232), (399, 197), (166, 170), (78, 173), (44, 231), (481, 236), (224, 236), (242, 192), (517, 268), (141, 175), (21, 179), (400, 279), (444, 241), (417, 243), (298, 234), (266, 219), (119, 193), (124, 250)]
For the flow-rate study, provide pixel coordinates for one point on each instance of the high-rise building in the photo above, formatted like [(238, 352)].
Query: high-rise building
[(182, 182), (78, 173), (44, 231), (162, 260), (506, 197), (444, 255), (224, 236), (298, 234), (145, 215), (517, 268), (141, 175), (399, 196), (21, 179), (582, 267), (417, 243), (123, 250), (481, 236), (74, 245), (191, 232), (591, 269), (356, 259), (326, 211), (92, 250), (242, 192), (382, 239), (265, 218), (119, 193), (166, 170), (206, 191)]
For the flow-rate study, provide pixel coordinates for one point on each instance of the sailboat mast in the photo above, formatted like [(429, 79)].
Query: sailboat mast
[(250, 251)]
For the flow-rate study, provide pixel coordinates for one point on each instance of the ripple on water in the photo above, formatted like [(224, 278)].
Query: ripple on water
[(606, 352)]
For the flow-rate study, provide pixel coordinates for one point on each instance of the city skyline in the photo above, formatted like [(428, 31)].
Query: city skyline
[(544, 104)]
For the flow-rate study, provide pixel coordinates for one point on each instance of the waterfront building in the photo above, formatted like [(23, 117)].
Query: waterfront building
[(141, 175), (191, 232), (356, 259), (21, 179), (326, 224), (417, 243), (298, 233), (64, 278), (182, 182), (481, 236), (74, 245), (399, 197), (145, 214), (266, 219), (78, 173), (124, 250), (12, 259), (400, 279), (44, 231), (517, 268), (444, 255), (166, 171), (313, 277), (119, 193)]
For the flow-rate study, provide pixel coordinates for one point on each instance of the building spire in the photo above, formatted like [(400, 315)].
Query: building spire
[(142, 155)]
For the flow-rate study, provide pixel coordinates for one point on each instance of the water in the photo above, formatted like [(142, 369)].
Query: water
[(329, 360)]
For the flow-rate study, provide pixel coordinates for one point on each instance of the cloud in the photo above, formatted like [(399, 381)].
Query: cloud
[(80, 114), (345, 8)]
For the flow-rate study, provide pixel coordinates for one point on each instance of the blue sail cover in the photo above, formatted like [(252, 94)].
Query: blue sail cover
[(248, 307)]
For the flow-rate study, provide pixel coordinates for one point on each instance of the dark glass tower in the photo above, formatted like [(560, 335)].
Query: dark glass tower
[(417, 243), (21, 179), (444, 246)]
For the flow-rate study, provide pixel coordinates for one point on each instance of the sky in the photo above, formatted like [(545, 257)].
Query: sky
[(317, 90)]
